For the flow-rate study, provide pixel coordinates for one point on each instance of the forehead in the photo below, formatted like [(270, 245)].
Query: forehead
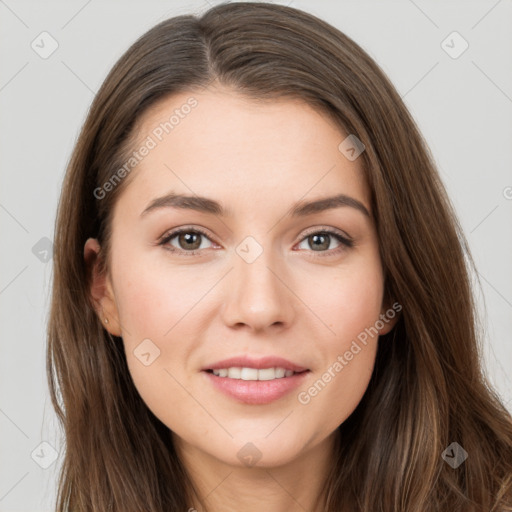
[(220, 144)]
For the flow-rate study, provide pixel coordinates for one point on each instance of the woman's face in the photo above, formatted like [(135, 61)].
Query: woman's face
[(254, 275)]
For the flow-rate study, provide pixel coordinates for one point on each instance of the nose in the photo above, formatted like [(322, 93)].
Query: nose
[(259, 294)]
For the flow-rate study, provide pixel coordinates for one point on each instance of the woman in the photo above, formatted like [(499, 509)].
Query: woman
[(316, 346)]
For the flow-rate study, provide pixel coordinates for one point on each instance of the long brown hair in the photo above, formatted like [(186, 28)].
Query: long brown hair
[(428, 388)]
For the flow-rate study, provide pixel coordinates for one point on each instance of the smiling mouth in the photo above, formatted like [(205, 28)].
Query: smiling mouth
[(253, 374), (255, 386)]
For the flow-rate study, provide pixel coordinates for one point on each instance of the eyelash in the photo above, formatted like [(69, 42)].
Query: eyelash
[(346, 243)]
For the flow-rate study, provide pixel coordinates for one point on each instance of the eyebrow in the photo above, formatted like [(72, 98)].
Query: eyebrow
[(206, 205)]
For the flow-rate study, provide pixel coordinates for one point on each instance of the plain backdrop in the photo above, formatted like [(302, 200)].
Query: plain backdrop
[(461, 100)]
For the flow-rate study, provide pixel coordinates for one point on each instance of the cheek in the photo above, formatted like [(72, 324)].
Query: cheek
[(152, 300), (349, 299), (153, 309), (160, 310), (339, 382), (350, 306)]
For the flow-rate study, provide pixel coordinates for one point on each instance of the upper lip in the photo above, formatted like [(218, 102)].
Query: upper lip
[(250, 362)]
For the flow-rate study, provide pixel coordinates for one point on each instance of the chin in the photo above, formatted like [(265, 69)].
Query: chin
[(261, 451)]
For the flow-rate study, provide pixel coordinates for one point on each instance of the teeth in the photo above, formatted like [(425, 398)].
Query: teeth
[(247, 373), (253, 373), (235, 373)]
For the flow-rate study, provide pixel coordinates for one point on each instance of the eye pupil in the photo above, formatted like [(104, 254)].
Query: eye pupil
[(316, 238), (190, 238)]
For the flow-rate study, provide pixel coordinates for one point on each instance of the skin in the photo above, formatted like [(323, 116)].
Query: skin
[(257, 159)]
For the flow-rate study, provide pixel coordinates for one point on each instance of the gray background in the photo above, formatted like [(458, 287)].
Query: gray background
[(462, 105)]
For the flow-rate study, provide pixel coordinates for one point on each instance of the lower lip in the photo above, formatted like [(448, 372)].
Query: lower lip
[(256, 392)]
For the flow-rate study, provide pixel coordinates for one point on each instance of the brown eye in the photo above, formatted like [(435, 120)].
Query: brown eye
[(186, 241), (320, 242), (189, 240)]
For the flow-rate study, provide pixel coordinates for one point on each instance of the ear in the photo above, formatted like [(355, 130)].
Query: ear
[(100, 288), (389, 315)]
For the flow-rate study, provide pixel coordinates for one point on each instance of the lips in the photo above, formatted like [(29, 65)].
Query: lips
[(246, 361), (255, 392)]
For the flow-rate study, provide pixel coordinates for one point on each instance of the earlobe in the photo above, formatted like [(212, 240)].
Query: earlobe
[(389, 317), (100, 288), (388, 324)]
